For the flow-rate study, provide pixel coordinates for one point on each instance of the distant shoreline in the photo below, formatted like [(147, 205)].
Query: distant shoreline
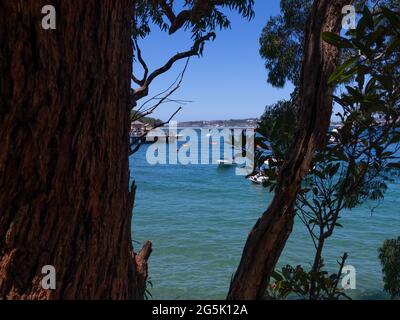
[(232, 123), (242, 123)]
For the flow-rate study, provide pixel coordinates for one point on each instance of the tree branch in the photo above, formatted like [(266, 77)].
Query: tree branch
[(143, 64), (201, 8), (167, 10), (142, 91), (167, 92)]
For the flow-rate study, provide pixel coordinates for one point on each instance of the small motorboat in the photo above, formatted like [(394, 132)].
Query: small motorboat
[(258, 179), (334, 132), (225, 163)]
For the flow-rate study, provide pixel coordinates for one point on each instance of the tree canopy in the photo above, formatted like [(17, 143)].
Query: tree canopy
[(282, 42), (282, 38), (359, 156), (198, 16)]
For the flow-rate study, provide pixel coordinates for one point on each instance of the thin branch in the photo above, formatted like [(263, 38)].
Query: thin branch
[(168, 92), (143, 64), (179, 101), (341, 266), (194, 51), (168, 11), (140, 113)]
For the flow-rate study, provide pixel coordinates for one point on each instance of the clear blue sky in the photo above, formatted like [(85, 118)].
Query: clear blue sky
[(228, 82)]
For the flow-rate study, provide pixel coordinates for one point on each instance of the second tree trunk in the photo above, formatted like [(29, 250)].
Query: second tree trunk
[(268, 237)]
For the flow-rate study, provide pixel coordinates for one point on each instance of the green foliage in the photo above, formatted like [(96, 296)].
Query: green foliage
[(149, 12), (293, 282), (277, 125), (374, 47), (136, 115), (371, 103), (360, 155), (274, 137), (282, 38), (217, 19), (389, 254), (368, 140), (151, 121), (281, 42)]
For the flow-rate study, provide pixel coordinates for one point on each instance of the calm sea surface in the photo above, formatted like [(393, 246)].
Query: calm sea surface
[(198, 217)]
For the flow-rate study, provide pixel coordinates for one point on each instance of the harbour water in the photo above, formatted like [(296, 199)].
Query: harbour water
[(198, 217)]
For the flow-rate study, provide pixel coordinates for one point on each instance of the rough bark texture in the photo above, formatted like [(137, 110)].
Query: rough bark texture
[(268, 237), (64, 179)]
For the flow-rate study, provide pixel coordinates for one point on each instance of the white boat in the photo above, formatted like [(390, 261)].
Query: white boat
[(225, 163), (258, 179), (332, 138), (334, 132)]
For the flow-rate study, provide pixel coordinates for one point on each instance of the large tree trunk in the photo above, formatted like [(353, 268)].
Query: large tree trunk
[(64, 179), (268, 237)]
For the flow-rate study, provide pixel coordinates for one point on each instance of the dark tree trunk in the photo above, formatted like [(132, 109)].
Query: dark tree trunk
[(64, 179), (268, 237)]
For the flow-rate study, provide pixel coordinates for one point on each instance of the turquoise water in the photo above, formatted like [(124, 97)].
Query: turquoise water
[(198, 217)]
